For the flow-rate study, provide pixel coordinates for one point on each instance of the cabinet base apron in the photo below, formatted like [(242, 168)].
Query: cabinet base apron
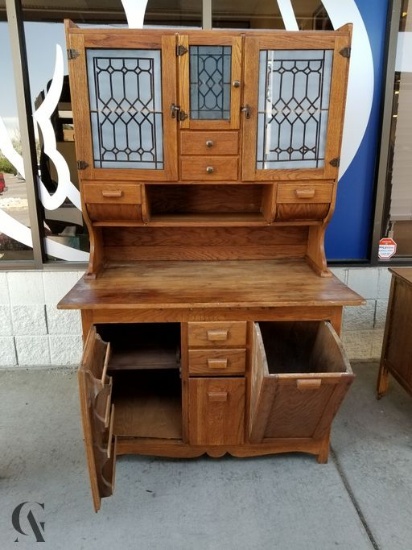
[(178, 449)]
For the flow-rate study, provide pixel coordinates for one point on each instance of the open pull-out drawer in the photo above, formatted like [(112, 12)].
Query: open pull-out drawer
[(300, 375), (98, 417)]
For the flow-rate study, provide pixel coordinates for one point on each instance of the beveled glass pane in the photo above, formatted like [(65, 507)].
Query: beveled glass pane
[(210, 71), (294, 89), (126, 108)]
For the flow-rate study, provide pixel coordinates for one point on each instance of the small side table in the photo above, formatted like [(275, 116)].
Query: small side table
[(396, 357)]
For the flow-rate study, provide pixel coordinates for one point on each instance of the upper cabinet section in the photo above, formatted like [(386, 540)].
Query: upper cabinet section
[(221, 106), (294, 99)]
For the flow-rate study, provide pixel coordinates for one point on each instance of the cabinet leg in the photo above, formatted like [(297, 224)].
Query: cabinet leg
[(383, 381), (324, 451)]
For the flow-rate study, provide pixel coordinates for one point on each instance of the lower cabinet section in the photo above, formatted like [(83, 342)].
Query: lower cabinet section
[(142, 390)]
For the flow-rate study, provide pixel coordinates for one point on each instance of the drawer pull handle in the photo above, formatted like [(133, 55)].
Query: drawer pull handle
[(112, 194), (217, 335), (209, 143), (217, 396), (305, 193), (210, 169), (308, 384), (217, 363)]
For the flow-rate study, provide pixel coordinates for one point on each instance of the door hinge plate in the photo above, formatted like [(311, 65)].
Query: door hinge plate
[(335, 162), (345, 52), (181, 50), (82, 165), (72, 53)]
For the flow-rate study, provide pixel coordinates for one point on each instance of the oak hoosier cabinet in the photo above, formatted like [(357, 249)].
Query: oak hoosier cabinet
[(208, 167)]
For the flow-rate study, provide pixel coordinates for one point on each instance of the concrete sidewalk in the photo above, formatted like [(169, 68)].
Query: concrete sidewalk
[(360, 500)]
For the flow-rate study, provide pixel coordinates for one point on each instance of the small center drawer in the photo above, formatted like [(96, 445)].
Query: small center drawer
[(215, 362), (212, 143), (217, 334), (212, 168)]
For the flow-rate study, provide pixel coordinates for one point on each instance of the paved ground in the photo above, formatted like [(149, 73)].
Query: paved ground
[(360, 500)]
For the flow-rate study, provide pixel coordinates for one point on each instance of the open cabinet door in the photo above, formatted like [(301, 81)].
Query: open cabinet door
[(95, 389)]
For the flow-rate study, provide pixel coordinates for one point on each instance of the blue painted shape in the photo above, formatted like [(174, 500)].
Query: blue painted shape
[(348, 234)]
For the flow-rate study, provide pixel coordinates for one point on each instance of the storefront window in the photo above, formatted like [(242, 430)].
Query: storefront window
[(15, 234), (398, 209)]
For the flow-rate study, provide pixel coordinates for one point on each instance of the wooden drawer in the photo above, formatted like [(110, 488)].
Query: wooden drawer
[(216, 411), (209, 168), (299, 376), (113, 193), (296, 201), (213, 362), (217, 334), (115, 201), (304, 193), (209, 143)]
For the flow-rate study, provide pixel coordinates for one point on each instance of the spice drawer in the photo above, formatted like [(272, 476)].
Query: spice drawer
[(114, 201), (217, 334)]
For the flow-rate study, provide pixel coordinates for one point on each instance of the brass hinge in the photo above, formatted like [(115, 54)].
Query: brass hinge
[(72, 53), (345, 52), (181, 50), (82, 165), (335, 162)]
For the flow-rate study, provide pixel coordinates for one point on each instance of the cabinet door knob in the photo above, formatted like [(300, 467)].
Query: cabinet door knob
[(210, 169), (209, 143), (236, 83)]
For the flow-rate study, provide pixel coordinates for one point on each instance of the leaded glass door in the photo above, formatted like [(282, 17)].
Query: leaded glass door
[(293, 105), (210, 81), (123, 88)]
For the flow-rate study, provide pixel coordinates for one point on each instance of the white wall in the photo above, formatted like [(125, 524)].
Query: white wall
[(33, 333)]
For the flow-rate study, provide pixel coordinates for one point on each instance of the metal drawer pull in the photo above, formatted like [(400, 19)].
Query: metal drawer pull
[(217, 396), (308, 384), (209, 143), (236, 83), (112, 194), (217, 335), (305, 193), (210, 169), (217, 363)]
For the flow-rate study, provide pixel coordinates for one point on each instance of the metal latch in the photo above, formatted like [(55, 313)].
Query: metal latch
[(72, 53)]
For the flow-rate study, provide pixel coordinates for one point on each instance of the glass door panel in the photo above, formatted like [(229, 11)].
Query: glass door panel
[(293, 108), (210, 71), (125, 94)]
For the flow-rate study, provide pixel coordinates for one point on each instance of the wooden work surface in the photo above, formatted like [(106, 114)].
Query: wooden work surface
[(220, 284), (404, 273)]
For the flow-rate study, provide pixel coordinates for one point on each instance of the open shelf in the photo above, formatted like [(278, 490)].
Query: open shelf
[(150, 346), (147, 404)]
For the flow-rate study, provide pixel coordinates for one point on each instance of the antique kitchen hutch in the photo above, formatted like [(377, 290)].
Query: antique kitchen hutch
[(208, 166)]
